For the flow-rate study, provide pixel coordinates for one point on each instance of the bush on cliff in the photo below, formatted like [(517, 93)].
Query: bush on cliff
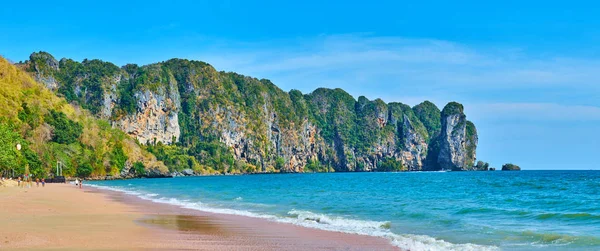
[(390, 165)]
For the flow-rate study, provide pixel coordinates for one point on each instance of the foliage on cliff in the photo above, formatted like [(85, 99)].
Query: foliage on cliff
[(452, 108), (51, 130), (231, 123), (429, 114), (510, 167)]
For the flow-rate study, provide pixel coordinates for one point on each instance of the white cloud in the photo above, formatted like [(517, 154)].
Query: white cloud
[(440, 64), (534, 111), (504, 82)]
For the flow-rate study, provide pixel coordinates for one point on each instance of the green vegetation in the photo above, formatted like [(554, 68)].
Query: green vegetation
[(178, 158), (50, 130), (429, 114), (84, 170), (452, 108), (81, 83), (66, 131), (140, 169), (400, 111), (231, 123), (316, 167), (390, 164), (471, 136), (10, 158), (118, 157), (510, 167)]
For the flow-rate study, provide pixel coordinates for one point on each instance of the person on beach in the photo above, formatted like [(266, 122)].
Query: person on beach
[(43, 182), (76, 182), (19, 182), (80, 183), (37, 182)]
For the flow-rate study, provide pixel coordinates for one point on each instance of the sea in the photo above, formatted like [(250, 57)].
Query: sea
[(514, 210)]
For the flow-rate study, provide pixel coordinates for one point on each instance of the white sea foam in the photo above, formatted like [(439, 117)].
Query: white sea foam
[(323, 222)]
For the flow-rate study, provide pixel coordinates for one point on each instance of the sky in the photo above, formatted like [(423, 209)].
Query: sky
[(527, 72)]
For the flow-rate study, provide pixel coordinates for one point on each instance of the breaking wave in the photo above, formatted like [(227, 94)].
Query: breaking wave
[(321, 221)]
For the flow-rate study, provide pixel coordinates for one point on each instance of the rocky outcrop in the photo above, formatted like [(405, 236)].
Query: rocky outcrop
[(155, 120), (155, 117), (415, 146), (213, 115), (44, 67), (510, 167), (458, 139)]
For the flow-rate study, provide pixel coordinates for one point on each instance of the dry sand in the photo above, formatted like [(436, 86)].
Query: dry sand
[(62, 217)]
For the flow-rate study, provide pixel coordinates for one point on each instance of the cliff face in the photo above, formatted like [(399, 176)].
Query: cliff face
[(155, 119), (458, 139), (212, 115), (52, 131)]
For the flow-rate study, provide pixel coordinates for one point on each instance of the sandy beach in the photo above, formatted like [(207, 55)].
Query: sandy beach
[(62, 217)]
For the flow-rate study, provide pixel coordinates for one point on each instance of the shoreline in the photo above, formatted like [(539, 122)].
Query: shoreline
[(91, 215)]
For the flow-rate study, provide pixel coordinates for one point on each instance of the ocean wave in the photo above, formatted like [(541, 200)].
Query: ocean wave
[(323, 222), (568, 216), (475, 210), (549, 239)]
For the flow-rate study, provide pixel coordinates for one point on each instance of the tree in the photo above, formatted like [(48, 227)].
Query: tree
[(139, 168), (35, 164), (84, 170), (30, 115), (66, 131), (279, 163), (118, 157), (10, 158)]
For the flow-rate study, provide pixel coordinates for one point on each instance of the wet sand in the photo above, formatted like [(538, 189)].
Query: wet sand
[(63, 217)]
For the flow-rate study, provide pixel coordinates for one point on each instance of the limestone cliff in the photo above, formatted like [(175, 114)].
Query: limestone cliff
[(458, 139), (155, 116), (234, 123), (52, 131)]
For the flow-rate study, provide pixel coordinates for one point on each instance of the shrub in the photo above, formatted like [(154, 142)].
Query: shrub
[(139, 168), (84, 170), (390, 164), (279, 163), (66, 131), (9, 156), (118, 157)]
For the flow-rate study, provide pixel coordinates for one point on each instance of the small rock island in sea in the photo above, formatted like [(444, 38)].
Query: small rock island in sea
[(510, 167)]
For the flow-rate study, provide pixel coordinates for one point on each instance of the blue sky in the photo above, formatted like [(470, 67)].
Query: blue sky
[(527, 71)]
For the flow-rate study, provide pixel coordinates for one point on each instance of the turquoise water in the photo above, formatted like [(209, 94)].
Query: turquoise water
[(526, 210)]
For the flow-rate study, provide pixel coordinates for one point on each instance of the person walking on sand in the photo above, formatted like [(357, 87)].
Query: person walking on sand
[(43, 182), (37, 182), (19, 182), (81, 184)]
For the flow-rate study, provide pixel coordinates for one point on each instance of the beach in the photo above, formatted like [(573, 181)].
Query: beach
[(61, 216)]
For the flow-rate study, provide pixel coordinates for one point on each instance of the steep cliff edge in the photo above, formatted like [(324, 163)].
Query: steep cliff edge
[(50, 131), (458, 139), (192, 116)]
